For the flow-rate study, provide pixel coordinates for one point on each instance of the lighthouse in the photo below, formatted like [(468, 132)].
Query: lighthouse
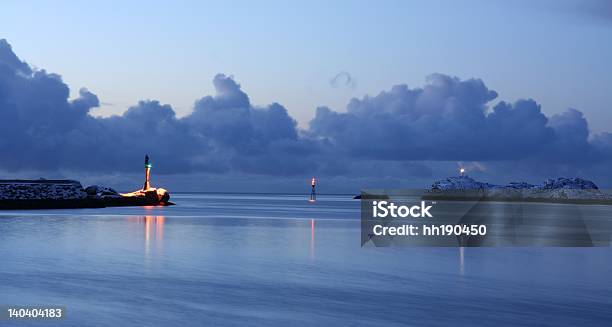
[(147, 183), (313, 193), (147, 195)]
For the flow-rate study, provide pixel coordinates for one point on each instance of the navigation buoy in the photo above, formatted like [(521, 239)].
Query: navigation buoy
[(313, 193)]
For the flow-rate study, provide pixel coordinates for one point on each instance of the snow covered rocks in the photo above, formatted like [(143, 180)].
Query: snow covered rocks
[(552, 190), (41, 190)]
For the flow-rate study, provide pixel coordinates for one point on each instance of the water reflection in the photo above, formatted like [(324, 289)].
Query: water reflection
[(233, 258), (312, 238), (461, 260), (153, 231)]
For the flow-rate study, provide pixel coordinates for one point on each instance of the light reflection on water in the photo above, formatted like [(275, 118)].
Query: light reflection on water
[(312, 238), (277, 260), (461, 260), (153, 227)]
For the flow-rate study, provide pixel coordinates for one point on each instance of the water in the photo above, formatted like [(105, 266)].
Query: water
[(277, 260)]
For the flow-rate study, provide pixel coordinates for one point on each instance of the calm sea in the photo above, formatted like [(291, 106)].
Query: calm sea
[(278, 260)]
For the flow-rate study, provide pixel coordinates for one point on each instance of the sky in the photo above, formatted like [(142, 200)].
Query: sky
[(305, 55), (289, 51)]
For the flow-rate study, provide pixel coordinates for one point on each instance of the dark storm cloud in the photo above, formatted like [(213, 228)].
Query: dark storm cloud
[(41, 128), (252, 139), (398, 133), (448, 119), (229, 119), (10, 62)]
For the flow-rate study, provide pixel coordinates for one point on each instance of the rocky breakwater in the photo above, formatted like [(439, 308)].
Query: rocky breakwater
[(559, 190), (63, 194)]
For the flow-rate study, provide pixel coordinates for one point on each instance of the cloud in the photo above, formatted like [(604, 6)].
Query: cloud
[(450, 119), (10, 62), (343, 79), (397, 135), (42, 129), (447, 119)]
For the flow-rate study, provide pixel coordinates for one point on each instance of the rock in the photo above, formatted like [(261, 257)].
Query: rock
[(96, 191), (519, 185), (41, 190), (459, 183), (91, 190), (569, 183), (165, 197), (108, 191), (552, 189), (55, 194)]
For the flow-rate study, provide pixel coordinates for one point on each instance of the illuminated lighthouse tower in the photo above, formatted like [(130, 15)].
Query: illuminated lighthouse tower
[(149, 195), (313, 193), (147, 183)]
